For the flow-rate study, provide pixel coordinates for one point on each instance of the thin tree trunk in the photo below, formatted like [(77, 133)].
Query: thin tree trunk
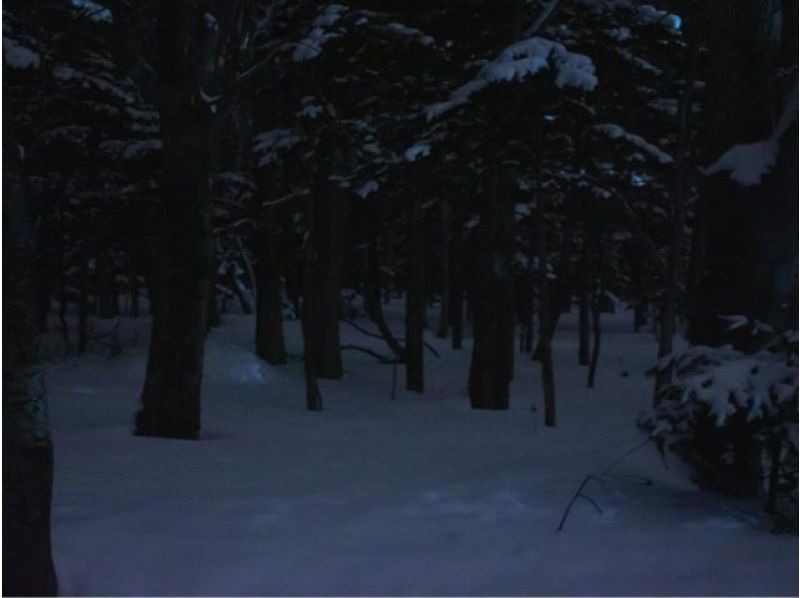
[(457, 292), (584, 303), (673, 275), (415, 302), (310, 314), (105, 291), (83, 300), (444, 306), (545, 322), (27, 446)]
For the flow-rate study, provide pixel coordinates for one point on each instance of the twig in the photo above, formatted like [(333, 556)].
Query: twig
[(375, 354)]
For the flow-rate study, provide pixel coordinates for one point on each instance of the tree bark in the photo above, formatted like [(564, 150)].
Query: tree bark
[(270, 344), (751, 231), (492, 301), (184, 266), (444, 306), (544, 348), (415, 302), (310, 314), (27, 446), (584, 301), (331, 208)]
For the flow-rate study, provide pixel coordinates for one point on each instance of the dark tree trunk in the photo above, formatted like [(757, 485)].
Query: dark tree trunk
[(83, 300), (444, 306), (640, 298), (105, 285), (751, 231), (596, 329), (270, 344), (545, 349), (27, 447), (310, 314), (457, 292), (331, 208), (182, 272), (672, 282), (492, 301), (415, 302), (584, 302)]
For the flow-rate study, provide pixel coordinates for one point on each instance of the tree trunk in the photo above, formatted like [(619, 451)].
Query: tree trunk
[(680, 192), (310, 313), (83, 300), (444, 306), (545, 349), (457, 292), (584, 302), (330, 220), (27, 447), (270, 344), (183, 268), (105, 286), (751, 231), (415, 302), (492, 301)]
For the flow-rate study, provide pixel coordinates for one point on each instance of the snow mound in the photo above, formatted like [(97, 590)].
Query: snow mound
[(524, 59)]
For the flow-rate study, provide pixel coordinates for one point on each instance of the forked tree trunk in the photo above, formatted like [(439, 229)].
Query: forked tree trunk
[(27, 447), (415, 302), (182, 272)]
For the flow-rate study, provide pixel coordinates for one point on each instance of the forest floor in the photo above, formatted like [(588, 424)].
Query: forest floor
[(414, 496)]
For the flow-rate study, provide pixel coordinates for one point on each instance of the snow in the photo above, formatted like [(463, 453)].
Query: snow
[(367, 188), (415, 496), (418, 150), (653, 16), (267, 144), (616, 132), (749, 162), (329, 15), (311, 46), (18, 56), (518, 61)]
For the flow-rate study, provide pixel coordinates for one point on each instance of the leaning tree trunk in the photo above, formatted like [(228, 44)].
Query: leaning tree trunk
[(751, 231), (415, 302), (27, 447), (183, 269), (492, 301)]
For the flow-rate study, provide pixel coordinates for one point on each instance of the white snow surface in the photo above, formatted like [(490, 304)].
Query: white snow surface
[(414, 496), (17, 56), (518, 61), (749, 162), (617, 132)]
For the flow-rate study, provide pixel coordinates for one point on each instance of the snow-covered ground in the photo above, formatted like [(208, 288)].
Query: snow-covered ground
[(414, 496)]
